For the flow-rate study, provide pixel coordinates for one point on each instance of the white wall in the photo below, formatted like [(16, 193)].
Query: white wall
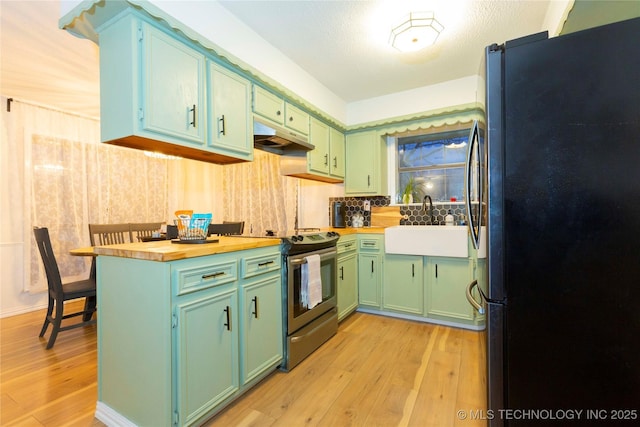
[(313, 202), (426, 98)]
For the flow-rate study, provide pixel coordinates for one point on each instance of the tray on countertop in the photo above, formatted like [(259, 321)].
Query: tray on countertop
[(194, 241)]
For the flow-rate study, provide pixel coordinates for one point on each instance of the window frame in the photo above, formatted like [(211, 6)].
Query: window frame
[(432, 134)]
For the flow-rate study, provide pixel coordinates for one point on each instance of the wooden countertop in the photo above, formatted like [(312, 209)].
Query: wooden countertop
[(360, 230), (164, 250)]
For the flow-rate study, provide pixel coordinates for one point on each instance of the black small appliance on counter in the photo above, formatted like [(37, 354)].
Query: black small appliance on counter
[(338, 215)]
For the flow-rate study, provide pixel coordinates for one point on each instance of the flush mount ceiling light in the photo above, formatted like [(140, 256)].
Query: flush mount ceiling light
[(417, 31)]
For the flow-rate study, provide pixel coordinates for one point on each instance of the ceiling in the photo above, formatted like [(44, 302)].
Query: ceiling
[(343, 44), (340, 43)]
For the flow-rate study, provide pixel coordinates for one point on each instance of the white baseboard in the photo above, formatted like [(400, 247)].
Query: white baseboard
[(110, 417), (14, 311), (421, 319)]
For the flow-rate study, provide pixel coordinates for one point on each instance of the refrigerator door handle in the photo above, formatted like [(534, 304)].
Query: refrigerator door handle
[(479, 306), (474, 147)]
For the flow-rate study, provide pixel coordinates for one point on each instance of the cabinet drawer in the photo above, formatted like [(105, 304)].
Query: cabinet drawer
[(370, 244), (346, 245), (195, 278), (253, 266)]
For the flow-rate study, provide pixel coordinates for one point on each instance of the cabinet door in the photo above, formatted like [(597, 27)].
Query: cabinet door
[(363, 173), (207, 353), (446, 284), (347, 284), (403, 285), (369, 278), (318, 158), (336, 153), (173, 87), (262, 326), (268, 105), (231, 124), (296, 119)]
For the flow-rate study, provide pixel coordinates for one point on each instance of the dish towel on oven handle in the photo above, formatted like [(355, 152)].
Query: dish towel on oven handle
[(311, 286)]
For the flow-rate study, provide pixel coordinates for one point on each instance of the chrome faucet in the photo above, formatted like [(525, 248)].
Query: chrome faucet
[(424, 207)]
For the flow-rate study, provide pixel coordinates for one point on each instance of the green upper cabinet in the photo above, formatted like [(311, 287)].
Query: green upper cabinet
[(318, 158), (274, 108), (336, 153), (366, 168), (325, 162), (154, 95), (231, 125), (296, 119), (268, 105), (173, 87), (327, 158)]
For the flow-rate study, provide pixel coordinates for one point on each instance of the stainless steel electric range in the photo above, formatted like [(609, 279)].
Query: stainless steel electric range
[(307, 327)]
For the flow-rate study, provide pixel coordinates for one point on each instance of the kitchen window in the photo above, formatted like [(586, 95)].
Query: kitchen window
[(431, 164)]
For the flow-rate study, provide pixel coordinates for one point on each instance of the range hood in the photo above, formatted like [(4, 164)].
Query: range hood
[(277, 139)]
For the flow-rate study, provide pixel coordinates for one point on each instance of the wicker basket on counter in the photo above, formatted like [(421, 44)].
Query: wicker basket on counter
[(193, 229)]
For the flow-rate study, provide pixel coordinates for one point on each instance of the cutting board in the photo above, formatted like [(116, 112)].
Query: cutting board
[(385, 216)]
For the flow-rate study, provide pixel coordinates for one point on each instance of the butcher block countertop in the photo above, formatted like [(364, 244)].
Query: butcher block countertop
[(360, 230), (164, 250)]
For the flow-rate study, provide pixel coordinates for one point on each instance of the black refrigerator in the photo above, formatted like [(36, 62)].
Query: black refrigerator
[(562, 162)]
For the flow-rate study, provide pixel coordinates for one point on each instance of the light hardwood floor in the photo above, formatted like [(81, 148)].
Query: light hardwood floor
[(376, 371)]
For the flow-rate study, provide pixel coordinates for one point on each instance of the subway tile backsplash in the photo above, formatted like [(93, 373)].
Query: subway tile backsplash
[(415, 214)]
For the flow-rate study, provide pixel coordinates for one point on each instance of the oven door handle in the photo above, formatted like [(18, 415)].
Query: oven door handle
[(323, 256)]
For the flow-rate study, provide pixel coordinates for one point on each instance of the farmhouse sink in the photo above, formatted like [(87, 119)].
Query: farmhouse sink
[(429, 240)]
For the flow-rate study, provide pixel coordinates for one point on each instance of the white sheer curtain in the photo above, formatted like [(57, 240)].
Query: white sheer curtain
[(57, 175), (257, 194)]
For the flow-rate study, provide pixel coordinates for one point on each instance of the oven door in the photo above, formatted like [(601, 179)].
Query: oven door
[(299, 315)]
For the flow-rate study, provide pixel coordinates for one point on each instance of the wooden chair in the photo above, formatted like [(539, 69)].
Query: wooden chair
[(59, 293), (228, 229), (239, 223), (109, 234), (143, 229)]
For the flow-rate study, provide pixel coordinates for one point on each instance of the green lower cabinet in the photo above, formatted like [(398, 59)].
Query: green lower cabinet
[(369, 280), (446, 282), (403, 284), (261, 329), (207, 357), (347, 284), (196, 343), (370, 261)]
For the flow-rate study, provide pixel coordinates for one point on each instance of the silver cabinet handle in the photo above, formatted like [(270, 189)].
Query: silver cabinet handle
[(193, 115)]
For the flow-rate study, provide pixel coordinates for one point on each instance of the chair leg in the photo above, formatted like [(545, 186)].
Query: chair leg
[(57, 321), (89, 308), (47, 317)]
